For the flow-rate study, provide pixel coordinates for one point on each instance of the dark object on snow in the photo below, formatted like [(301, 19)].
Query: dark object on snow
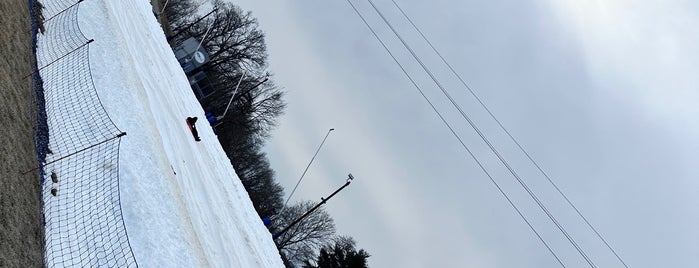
[(211, 118), (38, 7), (54, 177), (193, 128), (54, 192)]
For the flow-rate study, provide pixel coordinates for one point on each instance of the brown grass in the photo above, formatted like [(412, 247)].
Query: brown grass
[(20, 235)]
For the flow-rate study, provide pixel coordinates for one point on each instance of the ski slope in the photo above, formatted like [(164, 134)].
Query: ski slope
[(183, 204)]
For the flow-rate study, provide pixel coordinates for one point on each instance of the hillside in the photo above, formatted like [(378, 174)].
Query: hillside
[(182, 203)]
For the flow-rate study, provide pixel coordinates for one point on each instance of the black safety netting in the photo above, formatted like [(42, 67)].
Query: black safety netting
[(77, 147)]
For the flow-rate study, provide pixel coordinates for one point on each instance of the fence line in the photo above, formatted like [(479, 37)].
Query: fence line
[(77, 146)]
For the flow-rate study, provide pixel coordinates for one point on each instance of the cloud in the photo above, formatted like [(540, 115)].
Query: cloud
[(591, 88), (642, 54)]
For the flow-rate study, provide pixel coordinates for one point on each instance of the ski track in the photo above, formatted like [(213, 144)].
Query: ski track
[(200, 217)]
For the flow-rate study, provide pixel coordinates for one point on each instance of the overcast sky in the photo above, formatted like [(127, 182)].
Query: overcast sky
[(602, 93)]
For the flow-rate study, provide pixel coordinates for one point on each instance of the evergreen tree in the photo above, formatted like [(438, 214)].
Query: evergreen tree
[(342, 254)]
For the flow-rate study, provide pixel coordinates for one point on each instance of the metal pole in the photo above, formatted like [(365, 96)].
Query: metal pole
[(64, 10), (59, 58), (234, 91), (74, 153), (202, 39), (165, 5), (323, 201), (233, 98), (304, 171)]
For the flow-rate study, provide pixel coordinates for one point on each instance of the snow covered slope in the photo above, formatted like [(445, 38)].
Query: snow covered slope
[(183, 203)]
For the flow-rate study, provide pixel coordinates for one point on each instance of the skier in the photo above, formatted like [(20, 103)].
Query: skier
[(190, 122)]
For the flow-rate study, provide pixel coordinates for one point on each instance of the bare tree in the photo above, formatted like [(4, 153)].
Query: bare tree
[(236, 45), (179, 14), (234, 40), (303, 240), (258, 178), (254, 106)]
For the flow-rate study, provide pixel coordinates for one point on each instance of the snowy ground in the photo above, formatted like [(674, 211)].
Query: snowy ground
[(183, 204)]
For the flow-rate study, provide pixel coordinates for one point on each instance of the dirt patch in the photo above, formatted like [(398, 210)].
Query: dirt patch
[(20, 235)]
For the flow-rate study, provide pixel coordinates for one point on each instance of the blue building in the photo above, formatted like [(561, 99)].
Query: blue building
[(191, 57)]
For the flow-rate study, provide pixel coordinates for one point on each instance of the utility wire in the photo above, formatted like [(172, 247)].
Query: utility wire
[(490, 145), (531, 159), (451, 129)]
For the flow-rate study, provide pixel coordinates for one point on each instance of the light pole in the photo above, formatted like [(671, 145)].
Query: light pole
[(309, 165), (218, 118), (233, 95), (323, 201), (165, 5)]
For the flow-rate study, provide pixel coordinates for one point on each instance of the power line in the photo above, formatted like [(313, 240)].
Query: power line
[(482, 136), (531, 159), (509, 200)]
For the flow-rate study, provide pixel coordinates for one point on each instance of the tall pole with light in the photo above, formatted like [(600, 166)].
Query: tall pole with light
[(309, 165), (322, 202), (233, 95)]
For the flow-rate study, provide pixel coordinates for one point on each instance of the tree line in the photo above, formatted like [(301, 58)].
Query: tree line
[(237, 49)]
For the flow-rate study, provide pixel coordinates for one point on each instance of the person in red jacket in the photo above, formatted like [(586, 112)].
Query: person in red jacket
[(193, 128)]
